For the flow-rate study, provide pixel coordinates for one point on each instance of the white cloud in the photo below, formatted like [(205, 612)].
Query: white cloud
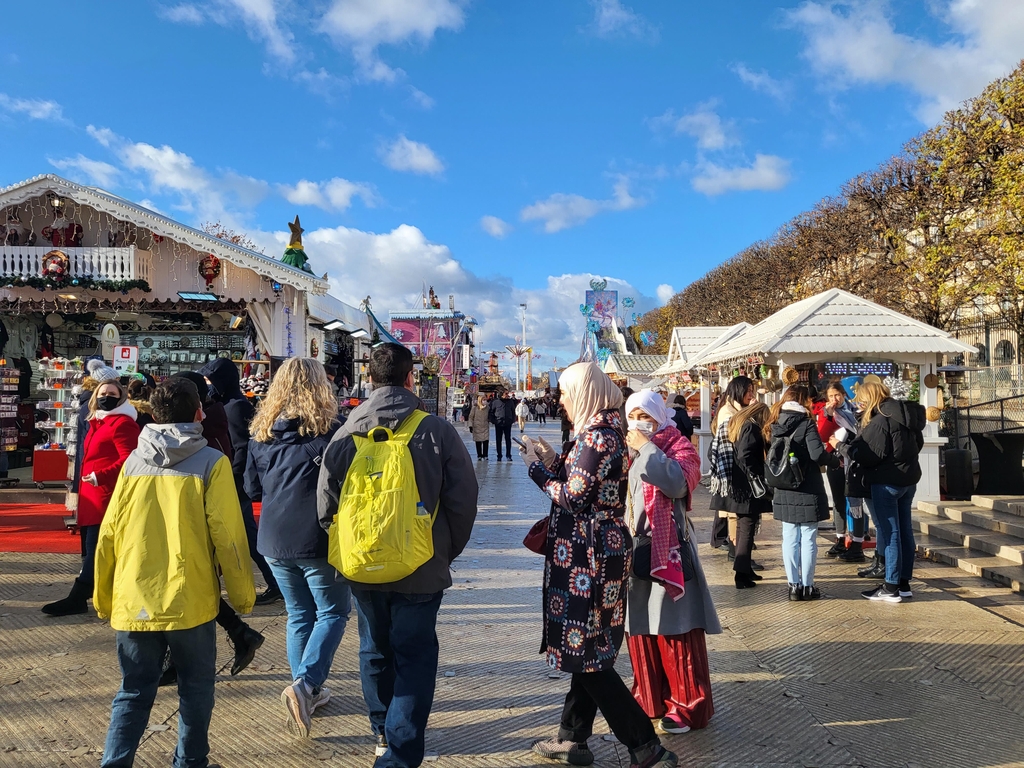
[(857, 43), (363, 26), (761, 81), (561, 211), (333, 195), (613, 19), (703, 124), (37, 109), (421, 99), (104, 136), (94, 171), (403, 154), (665, 292), (767, 173), (186, 13), (495, 227)]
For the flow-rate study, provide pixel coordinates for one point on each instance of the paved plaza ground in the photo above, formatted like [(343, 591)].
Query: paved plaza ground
[(936, 681)]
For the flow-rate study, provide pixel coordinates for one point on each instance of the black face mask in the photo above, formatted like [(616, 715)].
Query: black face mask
[(108, 402)]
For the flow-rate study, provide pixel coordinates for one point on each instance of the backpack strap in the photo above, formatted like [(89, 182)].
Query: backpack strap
[(408, 427)]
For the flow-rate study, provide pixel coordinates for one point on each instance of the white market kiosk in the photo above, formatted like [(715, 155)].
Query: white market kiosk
[(837, 326)]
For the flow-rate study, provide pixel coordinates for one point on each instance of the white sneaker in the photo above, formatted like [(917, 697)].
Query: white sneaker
[(881, 594), (320, 699), (382, 746), (298, 703), (673, 726)]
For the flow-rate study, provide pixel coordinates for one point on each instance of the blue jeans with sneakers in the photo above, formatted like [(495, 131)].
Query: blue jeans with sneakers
[(800, 552), (892, 506), (141, 656), (398, 653), (318, 602)]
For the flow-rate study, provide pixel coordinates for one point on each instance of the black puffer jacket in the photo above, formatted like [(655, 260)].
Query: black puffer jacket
[(224, 376), (809, 503), (749, 451), (888, 447)]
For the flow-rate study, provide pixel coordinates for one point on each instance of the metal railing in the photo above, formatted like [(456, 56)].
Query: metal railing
[(1005, 414), (126, 263)]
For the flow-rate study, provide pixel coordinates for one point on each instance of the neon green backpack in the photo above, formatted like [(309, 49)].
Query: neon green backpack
[(382, 532)]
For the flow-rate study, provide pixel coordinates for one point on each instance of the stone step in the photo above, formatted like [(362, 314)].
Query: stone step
[(968, 514), (995, 569), (1009, 548), (1013, 505)]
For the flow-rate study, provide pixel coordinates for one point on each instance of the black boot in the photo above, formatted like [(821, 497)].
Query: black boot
[(877, 568), (74, 603), (838, 549), (854, 553), (246, 641), (745, 581)]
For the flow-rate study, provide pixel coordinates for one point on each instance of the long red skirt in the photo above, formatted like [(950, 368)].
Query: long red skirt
[(671, 676)]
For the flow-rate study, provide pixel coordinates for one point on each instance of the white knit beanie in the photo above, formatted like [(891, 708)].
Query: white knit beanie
[(101, 372)]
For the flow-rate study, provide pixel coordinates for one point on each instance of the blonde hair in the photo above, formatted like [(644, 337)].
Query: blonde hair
[(299, 390), (870, 394), (481, 402), (756, 412), (93, 407), (796, 394)]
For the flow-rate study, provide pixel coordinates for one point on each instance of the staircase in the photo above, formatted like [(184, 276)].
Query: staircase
[(983, 536)]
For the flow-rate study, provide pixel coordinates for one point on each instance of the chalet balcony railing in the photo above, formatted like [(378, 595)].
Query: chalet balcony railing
[(127, 263)]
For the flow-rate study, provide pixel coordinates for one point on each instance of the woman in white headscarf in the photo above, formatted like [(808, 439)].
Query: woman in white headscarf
[(667, 617), (587, 554)]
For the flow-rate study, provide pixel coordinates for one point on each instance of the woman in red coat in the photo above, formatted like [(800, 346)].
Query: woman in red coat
[(113, 434)]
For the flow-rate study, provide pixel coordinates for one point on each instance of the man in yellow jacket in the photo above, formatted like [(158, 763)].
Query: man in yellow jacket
[(173, 521)]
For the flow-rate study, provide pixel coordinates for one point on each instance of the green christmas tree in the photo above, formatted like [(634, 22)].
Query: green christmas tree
[(294, 256)]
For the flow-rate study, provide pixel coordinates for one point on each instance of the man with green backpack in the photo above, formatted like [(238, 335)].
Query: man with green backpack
[(398, 497)]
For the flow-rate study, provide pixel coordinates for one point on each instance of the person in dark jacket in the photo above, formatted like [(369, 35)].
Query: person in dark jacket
[(681, 417), (748, 497), (503, 416), (290, 433), (398, 649), (802, 509), (832, 416), (223, 379), (215, 425), (891, 438)]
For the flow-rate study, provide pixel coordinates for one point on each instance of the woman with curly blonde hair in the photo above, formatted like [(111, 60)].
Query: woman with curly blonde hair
[(290, 432)]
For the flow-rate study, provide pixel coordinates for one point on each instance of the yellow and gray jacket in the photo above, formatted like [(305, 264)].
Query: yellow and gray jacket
[(173, 520)]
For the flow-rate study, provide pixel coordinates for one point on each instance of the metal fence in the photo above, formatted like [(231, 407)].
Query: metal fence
[(1005, 414)]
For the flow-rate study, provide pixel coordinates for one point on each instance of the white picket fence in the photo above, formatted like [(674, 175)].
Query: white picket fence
[(128, 263)]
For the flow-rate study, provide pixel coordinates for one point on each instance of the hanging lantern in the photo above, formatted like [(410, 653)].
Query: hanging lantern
[(209, 269)]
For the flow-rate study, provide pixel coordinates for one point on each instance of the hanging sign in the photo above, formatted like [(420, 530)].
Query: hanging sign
[(126, 360), (110, 337)]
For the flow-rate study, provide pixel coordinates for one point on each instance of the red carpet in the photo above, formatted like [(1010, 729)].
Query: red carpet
[(40, 528)]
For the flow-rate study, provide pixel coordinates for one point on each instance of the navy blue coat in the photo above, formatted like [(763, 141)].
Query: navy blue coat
[(283, 473)]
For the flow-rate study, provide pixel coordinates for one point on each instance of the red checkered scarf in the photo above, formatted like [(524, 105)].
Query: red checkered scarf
[(666, 565)]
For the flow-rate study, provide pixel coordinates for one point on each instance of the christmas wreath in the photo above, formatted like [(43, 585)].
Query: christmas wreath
[(209, 269)]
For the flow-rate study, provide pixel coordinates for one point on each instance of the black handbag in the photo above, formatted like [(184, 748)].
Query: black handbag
[(641, 566)]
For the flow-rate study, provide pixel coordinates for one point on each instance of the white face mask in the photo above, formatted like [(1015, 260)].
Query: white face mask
[(644, 427)]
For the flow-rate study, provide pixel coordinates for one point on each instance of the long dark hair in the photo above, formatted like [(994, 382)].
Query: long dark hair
[(798, 393), (737, 389)]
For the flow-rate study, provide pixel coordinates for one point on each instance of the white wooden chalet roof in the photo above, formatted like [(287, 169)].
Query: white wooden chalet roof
[(835, 323), (124, 210), (688, 343)]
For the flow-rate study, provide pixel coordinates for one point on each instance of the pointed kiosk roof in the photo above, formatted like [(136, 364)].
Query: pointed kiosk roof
[(125, 210), (689, 342), (835, 324)]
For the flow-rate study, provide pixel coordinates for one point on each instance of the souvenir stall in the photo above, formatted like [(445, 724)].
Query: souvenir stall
[(339, 337), (836, 335), (84, 273), (9, 402)]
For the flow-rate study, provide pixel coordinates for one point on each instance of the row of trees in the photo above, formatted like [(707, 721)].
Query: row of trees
[(931, 232)]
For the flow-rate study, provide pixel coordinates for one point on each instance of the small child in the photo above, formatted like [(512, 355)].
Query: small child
[(173, 521)]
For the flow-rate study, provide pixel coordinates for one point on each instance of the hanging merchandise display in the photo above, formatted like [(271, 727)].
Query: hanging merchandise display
[(50, 458)]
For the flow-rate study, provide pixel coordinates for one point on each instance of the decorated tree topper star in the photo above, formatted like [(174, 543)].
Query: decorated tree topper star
[(297, 230), (294, 256)]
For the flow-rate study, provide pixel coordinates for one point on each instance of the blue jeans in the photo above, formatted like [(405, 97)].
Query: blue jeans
[(398, 666), (318, 602), (141, 656), (892, 505), (800, 552)]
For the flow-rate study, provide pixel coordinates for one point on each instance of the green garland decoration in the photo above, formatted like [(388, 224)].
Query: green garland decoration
[(83, 283)]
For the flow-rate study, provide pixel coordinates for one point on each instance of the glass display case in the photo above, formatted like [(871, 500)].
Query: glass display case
[(50, 458)]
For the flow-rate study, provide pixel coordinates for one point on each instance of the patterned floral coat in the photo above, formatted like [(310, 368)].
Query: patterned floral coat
[(586, 566)]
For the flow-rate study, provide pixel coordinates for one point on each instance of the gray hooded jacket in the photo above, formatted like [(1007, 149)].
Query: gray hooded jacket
[(445, 477)]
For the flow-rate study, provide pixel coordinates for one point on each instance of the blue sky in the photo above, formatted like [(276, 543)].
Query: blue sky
[(506, 152)]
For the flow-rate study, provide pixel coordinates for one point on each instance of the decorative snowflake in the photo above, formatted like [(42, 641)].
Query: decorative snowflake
[(629, 302), (398, 333)]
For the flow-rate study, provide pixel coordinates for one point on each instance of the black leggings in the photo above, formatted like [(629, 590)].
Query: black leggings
[(503, 430), (90, 539), (482, 448), (604, 690), (745, 527)]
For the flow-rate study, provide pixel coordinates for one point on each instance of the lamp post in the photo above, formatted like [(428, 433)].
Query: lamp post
[(524, 344)]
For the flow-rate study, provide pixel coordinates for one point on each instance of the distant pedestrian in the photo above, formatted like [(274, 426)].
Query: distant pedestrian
[(398, 648), (542, 412), (480, 427), (522, 414), (667, 617), (585, 573), (290, 433), (800, 510), (502, 416), (172, 524), (565, 423)]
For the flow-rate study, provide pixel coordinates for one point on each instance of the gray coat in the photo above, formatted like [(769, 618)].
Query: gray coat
[(479, 424), (649, 609), (445, 477)]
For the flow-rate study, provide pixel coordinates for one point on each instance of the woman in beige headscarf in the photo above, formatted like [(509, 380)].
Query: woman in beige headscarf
[(586, 562)]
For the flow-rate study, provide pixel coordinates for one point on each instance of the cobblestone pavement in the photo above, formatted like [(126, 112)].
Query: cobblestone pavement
[(937, 681)]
